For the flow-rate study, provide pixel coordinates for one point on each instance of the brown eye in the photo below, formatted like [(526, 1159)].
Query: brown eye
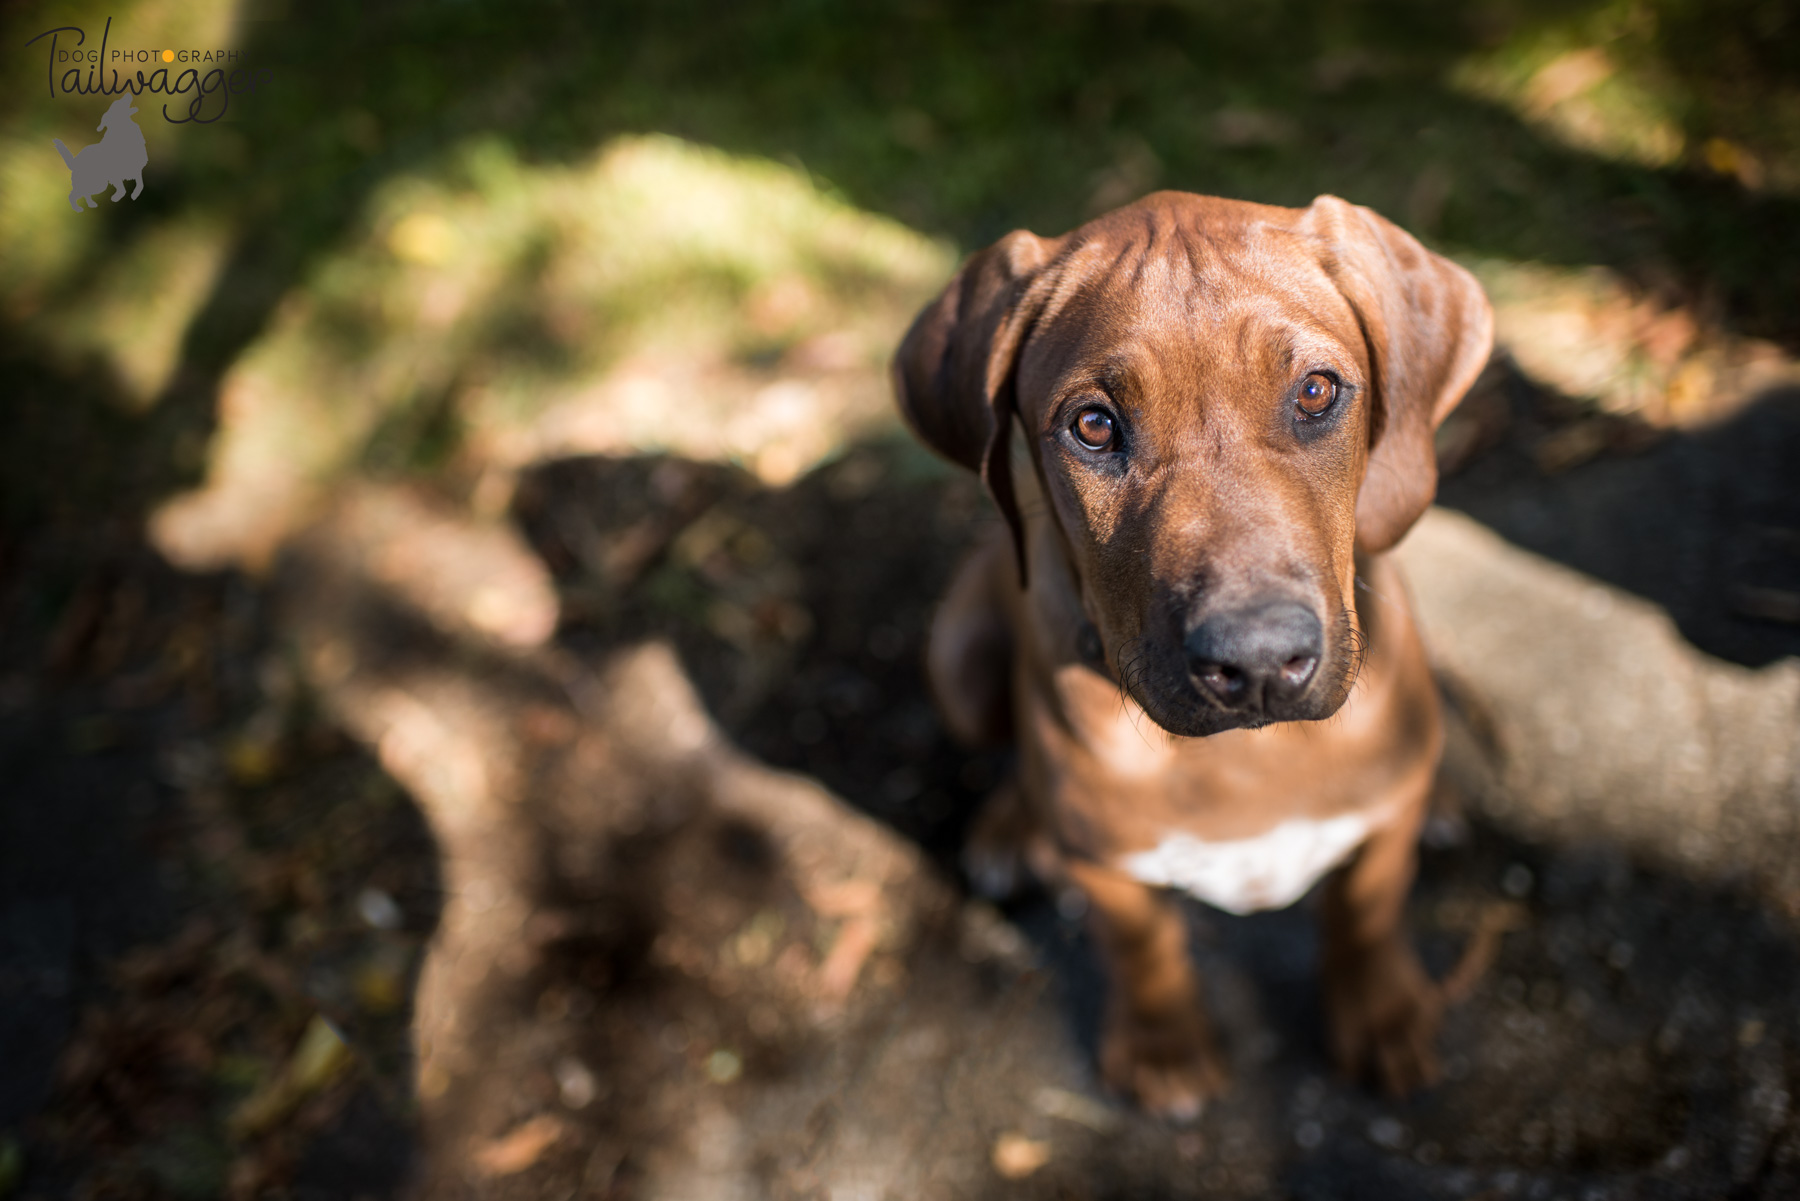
[(1316, 394), (1093, 428)]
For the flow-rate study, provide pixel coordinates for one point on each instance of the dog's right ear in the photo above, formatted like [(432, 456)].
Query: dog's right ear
[(954, 372), (1429, 328)]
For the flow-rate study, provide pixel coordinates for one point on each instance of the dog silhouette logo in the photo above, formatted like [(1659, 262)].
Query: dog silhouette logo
[(115, 158)]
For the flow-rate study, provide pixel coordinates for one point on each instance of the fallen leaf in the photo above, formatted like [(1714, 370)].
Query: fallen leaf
[(1493, 922), (837, 975), (319, 1059), (520, 1147), (843, 898), (250, 761), (1016, 1157), (379, 988), (1073, 1107)]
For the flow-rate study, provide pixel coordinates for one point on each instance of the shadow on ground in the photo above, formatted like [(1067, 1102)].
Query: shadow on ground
[(1705, 523), (1631, 1038), (659, 966)]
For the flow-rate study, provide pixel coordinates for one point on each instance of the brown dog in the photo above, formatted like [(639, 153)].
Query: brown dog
[(1225, 412)]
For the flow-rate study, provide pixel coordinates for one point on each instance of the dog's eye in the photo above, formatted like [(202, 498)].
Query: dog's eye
[(1316, 394), (1093, 428)]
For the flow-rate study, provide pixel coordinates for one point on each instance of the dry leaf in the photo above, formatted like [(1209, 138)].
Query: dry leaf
[(854, 943), (520, 1147), (1016, 1157), (319, 1059)]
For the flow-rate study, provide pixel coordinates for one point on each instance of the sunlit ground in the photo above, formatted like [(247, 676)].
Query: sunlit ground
[(361, 474)]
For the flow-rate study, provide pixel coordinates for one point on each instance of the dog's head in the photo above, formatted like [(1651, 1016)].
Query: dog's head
[(1222, 402), (120, 110)]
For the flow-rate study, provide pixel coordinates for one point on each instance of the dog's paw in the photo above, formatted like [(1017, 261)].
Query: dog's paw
[(1169, 1066), (1384, 1013)]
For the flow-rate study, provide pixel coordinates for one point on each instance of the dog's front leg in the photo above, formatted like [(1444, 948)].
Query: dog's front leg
[(1383, 1010), (1156, 1045)]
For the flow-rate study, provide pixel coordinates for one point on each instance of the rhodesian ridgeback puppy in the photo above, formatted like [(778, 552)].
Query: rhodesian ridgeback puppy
[(1203, 420)]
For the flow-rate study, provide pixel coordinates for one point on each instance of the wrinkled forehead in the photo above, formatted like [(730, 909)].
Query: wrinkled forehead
[(1176, 304)]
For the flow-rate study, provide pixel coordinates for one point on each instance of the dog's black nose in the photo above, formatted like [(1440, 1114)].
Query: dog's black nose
[(1256, 658)]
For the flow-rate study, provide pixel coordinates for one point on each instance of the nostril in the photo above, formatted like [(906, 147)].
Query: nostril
[(1226, 683), (1298, 670)]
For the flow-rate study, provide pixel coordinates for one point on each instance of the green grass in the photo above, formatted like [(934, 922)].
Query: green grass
[(270, 238)]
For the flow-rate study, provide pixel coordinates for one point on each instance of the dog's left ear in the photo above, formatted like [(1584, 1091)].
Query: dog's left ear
[(1429, 330)]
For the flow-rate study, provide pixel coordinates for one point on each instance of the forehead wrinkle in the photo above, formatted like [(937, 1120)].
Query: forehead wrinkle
[(1211, 346), (1249, 331), (1269, 340), (1159, 259), (1068, 283), (1152, 487), (1180, 287)]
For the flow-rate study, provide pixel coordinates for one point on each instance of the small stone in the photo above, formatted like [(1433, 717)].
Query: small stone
[(1071, 904), (378, 909), (724, 1066), (1387, 1132), (575, 1082), (1310, 1092)]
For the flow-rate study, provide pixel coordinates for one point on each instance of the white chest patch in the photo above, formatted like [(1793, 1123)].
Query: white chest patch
[(1270, 871)]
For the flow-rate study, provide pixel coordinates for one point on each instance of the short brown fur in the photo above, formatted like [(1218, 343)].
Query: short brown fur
[(1191, 321)]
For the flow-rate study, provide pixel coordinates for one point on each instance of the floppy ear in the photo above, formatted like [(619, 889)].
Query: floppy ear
[(1429, 330), (954, 371)]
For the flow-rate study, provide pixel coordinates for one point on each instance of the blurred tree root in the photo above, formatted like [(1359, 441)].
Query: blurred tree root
[(659, 962), (1584, 716)]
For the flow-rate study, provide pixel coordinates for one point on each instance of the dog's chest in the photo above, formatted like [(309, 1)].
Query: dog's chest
[(1270, 870)]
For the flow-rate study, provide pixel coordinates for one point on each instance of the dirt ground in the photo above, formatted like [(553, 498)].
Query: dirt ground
[(556, 920)]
